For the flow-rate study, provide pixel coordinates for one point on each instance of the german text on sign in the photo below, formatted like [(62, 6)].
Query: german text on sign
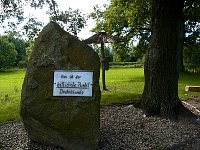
[(73, 83)]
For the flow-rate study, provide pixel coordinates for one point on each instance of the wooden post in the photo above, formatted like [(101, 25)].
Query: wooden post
[(102, 64)]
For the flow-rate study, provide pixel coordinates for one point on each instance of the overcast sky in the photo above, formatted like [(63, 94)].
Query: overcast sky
[(86, 6)]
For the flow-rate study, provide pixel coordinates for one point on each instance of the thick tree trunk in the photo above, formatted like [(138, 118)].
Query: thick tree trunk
[(181, 36), (160, 95)]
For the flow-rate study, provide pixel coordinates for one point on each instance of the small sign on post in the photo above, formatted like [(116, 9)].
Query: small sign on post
[(73, 83)]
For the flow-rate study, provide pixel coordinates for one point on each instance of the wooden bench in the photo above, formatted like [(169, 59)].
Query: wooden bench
[(192, 88)]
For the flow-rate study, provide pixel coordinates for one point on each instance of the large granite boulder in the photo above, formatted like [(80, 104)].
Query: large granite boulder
[(66, 121)]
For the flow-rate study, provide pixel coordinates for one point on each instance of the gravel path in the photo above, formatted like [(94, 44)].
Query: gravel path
[(122, 128)]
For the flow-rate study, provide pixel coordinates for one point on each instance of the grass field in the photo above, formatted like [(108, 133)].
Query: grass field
[(10, 90), (123, 84)]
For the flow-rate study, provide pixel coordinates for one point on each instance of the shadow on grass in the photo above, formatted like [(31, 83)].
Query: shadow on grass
[(117, 98)]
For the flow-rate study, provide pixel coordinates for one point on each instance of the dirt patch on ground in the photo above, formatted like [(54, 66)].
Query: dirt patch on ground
[(194, 101)]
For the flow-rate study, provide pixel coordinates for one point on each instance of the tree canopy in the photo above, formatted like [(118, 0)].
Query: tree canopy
[(7, 53), (12, 12), (129, 18), (72, 20), (132, 19), (20, 47), (123, 18)]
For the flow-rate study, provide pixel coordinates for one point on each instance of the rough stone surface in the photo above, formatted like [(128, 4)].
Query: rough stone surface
[(70, 122)]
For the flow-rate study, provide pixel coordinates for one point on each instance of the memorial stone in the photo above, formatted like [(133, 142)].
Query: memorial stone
[(60, 100)]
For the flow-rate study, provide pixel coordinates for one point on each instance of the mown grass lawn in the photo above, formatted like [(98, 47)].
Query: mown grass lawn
[(10, 91), (123, 84)]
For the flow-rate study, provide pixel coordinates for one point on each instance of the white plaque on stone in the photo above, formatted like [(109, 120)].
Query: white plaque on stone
[(73, 83)]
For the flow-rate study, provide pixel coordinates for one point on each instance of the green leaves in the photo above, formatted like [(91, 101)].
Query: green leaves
[(72, 20), (7, 53), (121, 17), (11, 8), (32, 28)]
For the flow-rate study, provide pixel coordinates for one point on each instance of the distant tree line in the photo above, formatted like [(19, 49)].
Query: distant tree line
[(14, 51)]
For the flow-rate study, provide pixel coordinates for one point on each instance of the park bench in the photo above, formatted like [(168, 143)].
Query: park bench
[(192, 88)]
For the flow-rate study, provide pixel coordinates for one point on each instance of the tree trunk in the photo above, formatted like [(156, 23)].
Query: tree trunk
[(181, 36), (160, 95)]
